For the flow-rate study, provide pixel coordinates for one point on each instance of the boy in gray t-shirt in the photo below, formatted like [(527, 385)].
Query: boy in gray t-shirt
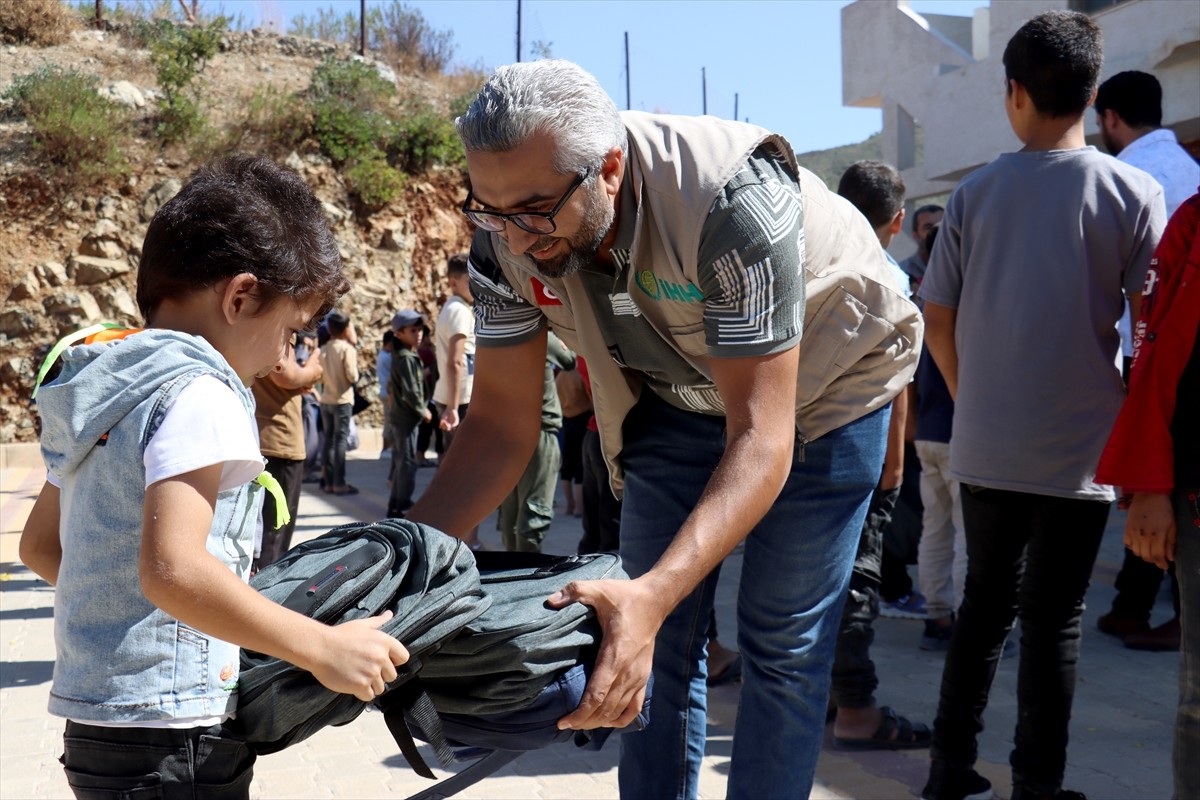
[(1036, 254)]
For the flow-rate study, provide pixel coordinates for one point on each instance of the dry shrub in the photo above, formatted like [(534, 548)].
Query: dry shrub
[(39, 22)]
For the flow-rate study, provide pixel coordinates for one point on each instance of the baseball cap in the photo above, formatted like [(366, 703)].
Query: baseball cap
[(406, 317)]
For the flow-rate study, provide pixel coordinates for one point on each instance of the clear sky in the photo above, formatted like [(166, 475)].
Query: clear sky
[(782, 58)]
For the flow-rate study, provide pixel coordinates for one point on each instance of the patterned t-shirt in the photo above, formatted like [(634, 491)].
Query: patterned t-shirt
[(751, 284)]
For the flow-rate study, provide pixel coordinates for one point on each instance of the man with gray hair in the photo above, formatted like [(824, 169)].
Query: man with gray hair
[(743, 339)]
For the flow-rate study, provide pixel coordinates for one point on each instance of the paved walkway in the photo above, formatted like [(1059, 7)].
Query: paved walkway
[(1121, 733)]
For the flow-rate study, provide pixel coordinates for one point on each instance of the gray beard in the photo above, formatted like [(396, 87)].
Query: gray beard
[(585, 244)]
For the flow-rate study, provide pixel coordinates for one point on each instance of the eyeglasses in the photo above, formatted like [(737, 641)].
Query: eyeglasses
[(537, 222)]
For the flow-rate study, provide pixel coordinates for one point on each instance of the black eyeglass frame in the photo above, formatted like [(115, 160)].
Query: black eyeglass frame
[(487, 219)]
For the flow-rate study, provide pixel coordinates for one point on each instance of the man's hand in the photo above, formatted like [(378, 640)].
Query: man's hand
[(1150, 529), (359, 659), (630, 617), (449, 420)]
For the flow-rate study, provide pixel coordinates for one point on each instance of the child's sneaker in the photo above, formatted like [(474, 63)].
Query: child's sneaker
[(910, 606)]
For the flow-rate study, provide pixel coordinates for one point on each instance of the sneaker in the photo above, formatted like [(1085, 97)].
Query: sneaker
[(937, 637), (946, 783), (910, 606)]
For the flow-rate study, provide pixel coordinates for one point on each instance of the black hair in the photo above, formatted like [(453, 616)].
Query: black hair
[(931, 237), (457, 265), (337, 322), (874, 188), (388, 338), (241, 214), (1057, 57), (931, 208), (1135, 96)]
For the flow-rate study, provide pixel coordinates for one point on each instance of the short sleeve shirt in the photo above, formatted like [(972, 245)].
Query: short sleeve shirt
[(751, 281), (455, 319), (1034, 252)]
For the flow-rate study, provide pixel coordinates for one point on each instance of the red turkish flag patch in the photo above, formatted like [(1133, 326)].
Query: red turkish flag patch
[(545, 296)]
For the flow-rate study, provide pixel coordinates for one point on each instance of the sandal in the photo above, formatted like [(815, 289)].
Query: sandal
[(347, 490), (894, 733)]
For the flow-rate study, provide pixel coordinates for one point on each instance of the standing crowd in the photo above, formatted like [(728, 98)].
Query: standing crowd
[(709, 349)]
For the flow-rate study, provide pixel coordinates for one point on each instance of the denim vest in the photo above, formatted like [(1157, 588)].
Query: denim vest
[(119, 657)]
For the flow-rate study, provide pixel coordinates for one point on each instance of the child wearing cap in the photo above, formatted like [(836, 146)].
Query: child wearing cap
[(408, 408)]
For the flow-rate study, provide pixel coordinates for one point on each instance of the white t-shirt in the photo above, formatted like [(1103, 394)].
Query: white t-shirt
[(456, 318), (206, 424)]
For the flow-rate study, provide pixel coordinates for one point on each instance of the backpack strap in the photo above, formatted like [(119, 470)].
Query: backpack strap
[(477, 771), (410, 698), (100, 332)]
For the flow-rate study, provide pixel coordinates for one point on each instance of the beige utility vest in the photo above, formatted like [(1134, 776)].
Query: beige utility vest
[(861, 335)]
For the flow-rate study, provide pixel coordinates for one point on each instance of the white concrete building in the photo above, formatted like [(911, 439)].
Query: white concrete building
[(944, 74)]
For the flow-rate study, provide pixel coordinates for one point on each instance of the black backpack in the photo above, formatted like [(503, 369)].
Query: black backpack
[(491, 668)]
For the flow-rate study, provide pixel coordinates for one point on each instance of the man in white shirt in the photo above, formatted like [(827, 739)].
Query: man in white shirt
[(1129, 111), (454, 345), (454, 341)]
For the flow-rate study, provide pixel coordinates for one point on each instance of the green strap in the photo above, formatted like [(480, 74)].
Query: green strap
[(62, 344), (268, 482)]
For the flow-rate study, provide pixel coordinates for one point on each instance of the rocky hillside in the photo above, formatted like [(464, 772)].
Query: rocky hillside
[(68, 258)]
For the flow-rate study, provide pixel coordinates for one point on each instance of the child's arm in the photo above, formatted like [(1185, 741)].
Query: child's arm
[(181, 577), (40, 548), (351, 366), (940, 323), (1150, 528)]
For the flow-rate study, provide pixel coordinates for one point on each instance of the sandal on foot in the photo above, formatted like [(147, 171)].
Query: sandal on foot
[(894, 733)]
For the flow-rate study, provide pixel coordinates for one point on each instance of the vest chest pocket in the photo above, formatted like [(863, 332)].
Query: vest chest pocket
[(836, 337)]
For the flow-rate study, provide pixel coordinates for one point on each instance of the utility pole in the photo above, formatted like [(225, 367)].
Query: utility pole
[(362, 28), (100, 17), (704, 90), (735, 99), (518, 31), (628, 101)]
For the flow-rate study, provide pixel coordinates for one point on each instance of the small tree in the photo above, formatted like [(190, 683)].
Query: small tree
[(179, 55)]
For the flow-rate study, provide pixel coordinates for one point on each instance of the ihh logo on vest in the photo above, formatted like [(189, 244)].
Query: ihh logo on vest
[(663, 289)]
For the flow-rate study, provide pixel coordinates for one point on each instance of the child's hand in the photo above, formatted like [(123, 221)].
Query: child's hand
[(360, 659), (428, 416)]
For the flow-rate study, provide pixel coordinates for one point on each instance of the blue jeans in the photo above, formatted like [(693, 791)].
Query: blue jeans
[(1187, 569), (404, 467), (795, 569)]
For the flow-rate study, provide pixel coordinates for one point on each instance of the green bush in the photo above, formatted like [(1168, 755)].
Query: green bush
[(348, 101), (374, 181), (273, 122), (423, 138), (179, 54), (75, 130)]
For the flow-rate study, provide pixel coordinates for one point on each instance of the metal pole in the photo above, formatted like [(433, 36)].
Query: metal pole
[(735, 99), (518, 31), (100, 15), (704, 89), (362, 28), (628, 101)]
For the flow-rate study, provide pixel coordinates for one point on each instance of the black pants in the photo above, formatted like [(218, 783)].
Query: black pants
[(276, 542), (186, 764), (854, 677), (1137, 585), (601, 508), (1028, 556)]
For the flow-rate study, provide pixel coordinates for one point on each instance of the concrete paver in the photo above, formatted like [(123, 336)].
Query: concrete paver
[(1121, 731)]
